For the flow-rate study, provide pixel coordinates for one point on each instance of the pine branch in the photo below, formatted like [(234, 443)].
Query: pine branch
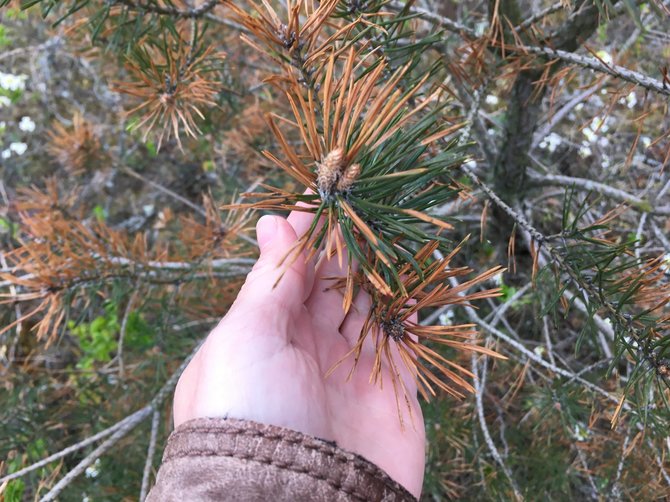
[(616, 487), (434, 18), (52, 42), (479, 381), (601, 188), (564, 111), (474, 317), (135, 417), (159, 271), (527, 23), (598, 65), (614, 313), (126, 424), (150, 456), (661, 236), (93, 456), (191, 13), (125, 427)]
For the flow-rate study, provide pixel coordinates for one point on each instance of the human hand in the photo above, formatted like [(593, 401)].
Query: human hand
[(267, 359)]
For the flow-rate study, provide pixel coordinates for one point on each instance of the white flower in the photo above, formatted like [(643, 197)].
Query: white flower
[(551, 142), (584, 151), (631, 99), (27, 124), (665, 264), (6, 154), (445, 318), (13, 82), (646, 141), (590, 135), (92, 471), (492, 100), (18, 148), (5, 101)]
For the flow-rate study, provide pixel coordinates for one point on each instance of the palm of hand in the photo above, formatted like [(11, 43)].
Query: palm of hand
[(266, 361)]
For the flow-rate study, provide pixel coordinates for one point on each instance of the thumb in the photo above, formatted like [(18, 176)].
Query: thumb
[(278, 274)]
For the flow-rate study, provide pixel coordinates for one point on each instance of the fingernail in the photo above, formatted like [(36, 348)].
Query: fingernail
[(266, 229)]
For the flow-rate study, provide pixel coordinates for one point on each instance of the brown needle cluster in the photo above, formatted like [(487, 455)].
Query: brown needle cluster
[(174, 87), (77, 147), (398, 337)]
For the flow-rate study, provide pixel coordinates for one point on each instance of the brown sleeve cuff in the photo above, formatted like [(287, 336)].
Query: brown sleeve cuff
[(228, 459)]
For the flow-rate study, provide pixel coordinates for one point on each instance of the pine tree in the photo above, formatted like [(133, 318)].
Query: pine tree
[(402, 128)]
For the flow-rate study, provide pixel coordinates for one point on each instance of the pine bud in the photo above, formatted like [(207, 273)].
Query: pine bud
[(328, 171), (347, 179)]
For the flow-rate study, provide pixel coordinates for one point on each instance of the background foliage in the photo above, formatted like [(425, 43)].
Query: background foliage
[(125, 127)]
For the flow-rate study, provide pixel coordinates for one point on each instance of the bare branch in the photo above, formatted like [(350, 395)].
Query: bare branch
[(601, 188), (434, 18), (191, 13), (150, 456), (118, 431), (616, 488), (527, 23), (93, 456), (138, 415), (479, 384), (596, 64)]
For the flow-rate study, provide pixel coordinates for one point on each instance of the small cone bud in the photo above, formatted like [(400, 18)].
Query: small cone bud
[(348, 178), (329, 170)]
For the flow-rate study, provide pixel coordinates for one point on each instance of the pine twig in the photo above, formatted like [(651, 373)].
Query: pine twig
[(118, 431), (516, 216), (661, 236), (500, 311), (144, 491), (155, 403), (585, 466), (472, 314), (138, 415), (191, 13), (616, 487), (601, 188), (94, 455), (547, 340), (527, 23), (596, 64), (434, 18), (176, 196), (479, 384), (52, 42)]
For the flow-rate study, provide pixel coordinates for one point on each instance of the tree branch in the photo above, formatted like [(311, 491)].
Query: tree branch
[(150, 456), (192, 13), (434, 18), (479, 383), (596, 64), (601, 188), (118, 431)]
